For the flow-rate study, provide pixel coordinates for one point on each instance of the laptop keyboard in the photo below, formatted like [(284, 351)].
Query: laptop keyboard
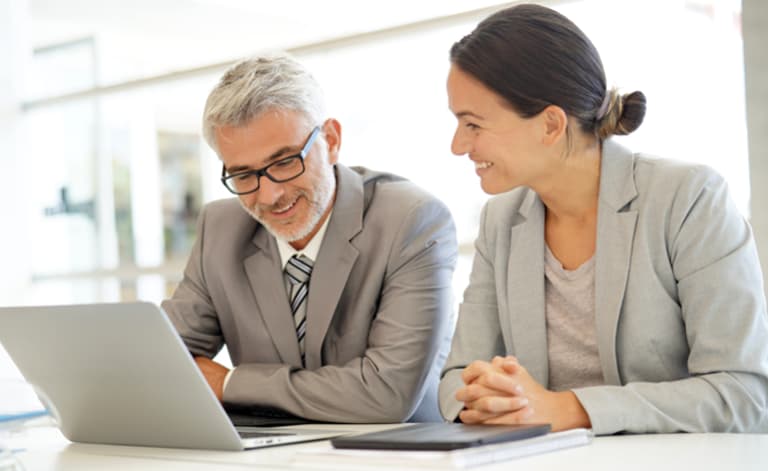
[(261, 416), (264, 434)]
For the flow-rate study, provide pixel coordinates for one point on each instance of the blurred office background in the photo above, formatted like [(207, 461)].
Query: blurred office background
[(103, 168)]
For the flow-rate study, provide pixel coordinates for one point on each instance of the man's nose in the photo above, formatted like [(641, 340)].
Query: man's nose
[(269, 192)]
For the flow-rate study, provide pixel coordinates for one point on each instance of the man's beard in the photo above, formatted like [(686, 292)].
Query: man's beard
[(317, 203)]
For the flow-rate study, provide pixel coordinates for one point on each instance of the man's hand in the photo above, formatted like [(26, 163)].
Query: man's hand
[(214, 373), (503, 392)]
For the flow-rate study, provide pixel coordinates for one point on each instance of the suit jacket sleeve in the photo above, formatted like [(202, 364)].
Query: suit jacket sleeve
[(407, 328), (478, 333), (719, 290), (191, 309)]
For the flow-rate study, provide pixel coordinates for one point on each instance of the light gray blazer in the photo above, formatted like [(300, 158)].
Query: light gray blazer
[(680, 312), (378, 313)]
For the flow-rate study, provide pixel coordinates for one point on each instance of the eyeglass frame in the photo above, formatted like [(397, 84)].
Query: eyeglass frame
[(262, 172)]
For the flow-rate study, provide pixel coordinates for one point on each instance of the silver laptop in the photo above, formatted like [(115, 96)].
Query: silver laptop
[(119, 374)]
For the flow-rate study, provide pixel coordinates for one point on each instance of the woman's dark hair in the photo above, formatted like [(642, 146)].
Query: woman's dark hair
[(533, 57)]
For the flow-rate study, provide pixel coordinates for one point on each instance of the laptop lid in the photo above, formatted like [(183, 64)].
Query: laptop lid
[(440, 436), (119, 374)]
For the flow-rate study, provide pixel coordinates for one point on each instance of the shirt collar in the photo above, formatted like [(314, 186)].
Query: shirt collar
[(311, 250)]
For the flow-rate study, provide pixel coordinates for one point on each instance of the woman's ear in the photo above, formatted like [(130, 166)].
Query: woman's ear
[(332, 133), (555, 122)]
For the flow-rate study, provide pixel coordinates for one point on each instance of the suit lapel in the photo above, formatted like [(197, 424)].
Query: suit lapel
[(615, 236), (334, 262), (525, 287), (265, 275)]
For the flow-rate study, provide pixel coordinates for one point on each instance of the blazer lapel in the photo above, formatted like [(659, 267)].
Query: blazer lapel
[(525, 285), (265, 274), (615, 236), (334, 262)]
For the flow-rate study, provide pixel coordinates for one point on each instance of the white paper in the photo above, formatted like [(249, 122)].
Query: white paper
[(328, 457)]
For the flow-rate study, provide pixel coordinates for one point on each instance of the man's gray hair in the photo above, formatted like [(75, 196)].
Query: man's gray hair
[(259, 84)]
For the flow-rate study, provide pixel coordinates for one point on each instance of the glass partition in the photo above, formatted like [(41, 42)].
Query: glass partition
[(117, 177)]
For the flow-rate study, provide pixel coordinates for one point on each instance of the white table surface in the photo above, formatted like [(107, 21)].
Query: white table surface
[(45, 449)]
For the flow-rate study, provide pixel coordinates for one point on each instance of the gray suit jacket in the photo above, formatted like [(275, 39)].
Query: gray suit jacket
[(680, 312), (378, 312)]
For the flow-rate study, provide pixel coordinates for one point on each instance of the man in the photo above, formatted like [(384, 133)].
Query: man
[(330, 286)]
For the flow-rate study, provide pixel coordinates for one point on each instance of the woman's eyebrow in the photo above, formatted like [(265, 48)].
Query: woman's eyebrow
[(465, 114)]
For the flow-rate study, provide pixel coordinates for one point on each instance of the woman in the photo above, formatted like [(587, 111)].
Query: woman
[(609, 290)]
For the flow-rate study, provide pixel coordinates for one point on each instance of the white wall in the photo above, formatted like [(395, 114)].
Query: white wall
[(754, 23), (12, 37), (12, 281)]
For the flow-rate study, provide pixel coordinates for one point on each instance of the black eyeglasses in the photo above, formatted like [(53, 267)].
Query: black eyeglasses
[(279, 171)]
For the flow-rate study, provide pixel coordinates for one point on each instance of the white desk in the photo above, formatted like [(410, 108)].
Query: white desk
[(48, 450)]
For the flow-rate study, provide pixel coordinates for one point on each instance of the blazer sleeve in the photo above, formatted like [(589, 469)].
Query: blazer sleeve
[(478, 333), (720, 291), (408, 327), (191, 309)]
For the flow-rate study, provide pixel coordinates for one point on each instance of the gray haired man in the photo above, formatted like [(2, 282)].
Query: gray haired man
[(330, 285)]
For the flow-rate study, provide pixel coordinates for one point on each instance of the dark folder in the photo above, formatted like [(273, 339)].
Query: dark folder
[(440, 436)]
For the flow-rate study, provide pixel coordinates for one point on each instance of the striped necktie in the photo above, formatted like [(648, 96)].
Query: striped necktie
[(297, 272)]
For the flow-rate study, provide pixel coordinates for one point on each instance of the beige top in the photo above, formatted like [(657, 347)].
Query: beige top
[(571, 336)]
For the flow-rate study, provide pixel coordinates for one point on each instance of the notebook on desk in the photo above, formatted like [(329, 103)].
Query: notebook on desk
[(119, 374), (361, 455), (440, 436)]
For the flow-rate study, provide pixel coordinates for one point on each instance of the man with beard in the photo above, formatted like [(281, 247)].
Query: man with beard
[(330, 285)]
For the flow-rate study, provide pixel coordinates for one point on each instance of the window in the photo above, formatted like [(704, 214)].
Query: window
[(125, 171)]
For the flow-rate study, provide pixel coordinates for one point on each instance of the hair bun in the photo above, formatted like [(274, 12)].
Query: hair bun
[(625, 114)]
